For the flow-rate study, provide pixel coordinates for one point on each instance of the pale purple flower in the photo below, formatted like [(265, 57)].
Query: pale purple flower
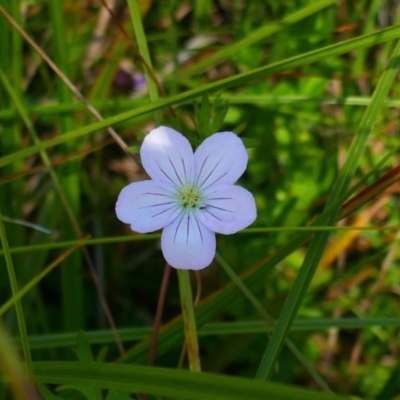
[(190, 195)]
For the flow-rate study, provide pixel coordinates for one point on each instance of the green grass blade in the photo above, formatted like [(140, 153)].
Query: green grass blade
[(155, 236), (317, 245), (256, 99), (60, 245), (144, 51), (169, 382), (14, 289), (239, 79), (68, 339)]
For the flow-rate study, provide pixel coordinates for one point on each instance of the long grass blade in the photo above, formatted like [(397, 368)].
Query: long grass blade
[(169, 382), (317, 245)]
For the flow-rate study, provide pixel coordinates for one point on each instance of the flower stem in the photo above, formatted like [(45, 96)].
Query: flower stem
[(189, 321)]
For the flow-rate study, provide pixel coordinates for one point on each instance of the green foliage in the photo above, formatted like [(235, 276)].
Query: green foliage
[(311, 88), (209, 117)]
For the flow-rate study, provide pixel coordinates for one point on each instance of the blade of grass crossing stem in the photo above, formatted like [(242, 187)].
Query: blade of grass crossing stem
[(144, 51), (71, 276), (270, 322), (256, 36), (319, 241), (236, 80), (189, 321), (18, 306)]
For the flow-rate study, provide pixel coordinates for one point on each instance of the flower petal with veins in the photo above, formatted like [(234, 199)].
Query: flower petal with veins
[(188, 244), (147, 206), (227, 209), (220, 159), (167, 156)]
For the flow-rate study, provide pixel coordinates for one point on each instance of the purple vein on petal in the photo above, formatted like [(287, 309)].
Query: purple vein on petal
[(162, 212), (184, 168), (210, 173), (157, 205), (177, 227), (219, 208), (158, 194), (202, 166), (166, 175), (188, 228), (198, 227), (219, 198), (176, 173), (209, 212), (216, 180)]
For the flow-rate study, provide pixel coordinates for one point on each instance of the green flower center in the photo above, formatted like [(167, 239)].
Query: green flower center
[(189, 195)]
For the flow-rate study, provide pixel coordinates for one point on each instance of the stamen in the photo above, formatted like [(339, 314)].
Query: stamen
[(190, 196)]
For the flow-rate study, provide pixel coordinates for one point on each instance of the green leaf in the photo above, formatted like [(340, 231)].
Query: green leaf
[(202, 114), (83, 349), (221, 108), (85, 354), (102, 354)]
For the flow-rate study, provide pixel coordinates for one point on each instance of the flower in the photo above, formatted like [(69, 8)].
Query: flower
[(190, 195)]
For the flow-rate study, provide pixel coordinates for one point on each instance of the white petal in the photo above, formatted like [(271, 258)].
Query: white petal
[(187, 244), (220, 159), (147, 206), (227, 209), (167, 156)]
